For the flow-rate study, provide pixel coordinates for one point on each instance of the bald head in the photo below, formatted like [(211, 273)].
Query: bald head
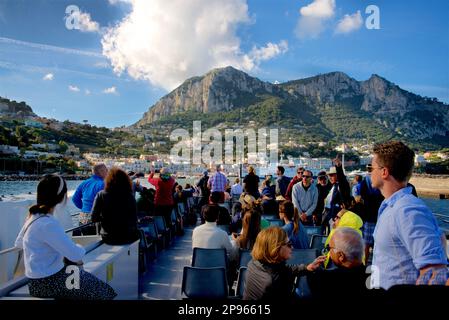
[(348, 247)]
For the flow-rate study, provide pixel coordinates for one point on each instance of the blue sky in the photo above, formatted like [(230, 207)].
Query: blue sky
[(127, 54)]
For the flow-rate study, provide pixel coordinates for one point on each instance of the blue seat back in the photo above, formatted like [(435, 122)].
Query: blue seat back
[(317, 242), (241, 282), (150, 230), (204, 283), (160, 224), (303, 256), (244, 257), (209, 258)]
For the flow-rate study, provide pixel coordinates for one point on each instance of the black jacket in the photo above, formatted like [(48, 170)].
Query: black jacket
[(271, 281), (338, 282), (323, 191), (117, 214)]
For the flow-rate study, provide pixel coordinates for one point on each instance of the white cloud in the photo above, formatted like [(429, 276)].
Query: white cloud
[(166, 42), (313, 18), (74, 88), (319, 9), (87, 24), (48, 76), (46, 47), (350, 23), (87, 92), (111, 90)]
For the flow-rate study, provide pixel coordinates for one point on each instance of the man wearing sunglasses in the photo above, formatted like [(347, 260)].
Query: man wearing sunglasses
[(407, 240), (305, 197), (295, 180)]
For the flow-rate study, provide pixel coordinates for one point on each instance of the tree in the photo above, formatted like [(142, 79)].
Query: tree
[(63, 146)]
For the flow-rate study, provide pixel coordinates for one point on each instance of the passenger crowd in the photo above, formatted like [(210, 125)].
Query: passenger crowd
[(380, 220)]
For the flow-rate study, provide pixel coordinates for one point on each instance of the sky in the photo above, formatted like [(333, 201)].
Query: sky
[(108, 61)]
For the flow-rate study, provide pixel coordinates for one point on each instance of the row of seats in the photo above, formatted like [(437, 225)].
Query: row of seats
[(155, 235), (208, 275)]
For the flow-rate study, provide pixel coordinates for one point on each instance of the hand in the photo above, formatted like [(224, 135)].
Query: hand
[(337, 162), (235, 235), (303, 217), (316, 263), (314, 218)]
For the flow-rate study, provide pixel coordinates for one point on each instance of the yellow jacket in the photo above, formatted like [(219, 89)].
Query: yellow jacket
[(349, 219)]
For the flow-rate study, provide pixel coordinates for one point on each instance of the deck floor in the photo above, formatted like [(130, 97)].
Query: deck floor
[(163, 278)]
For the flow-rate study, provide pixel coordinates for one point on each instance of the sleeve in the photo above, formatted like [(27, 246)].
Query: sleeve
[(77, 196), (295, 198), (152, 180), (297, 269), (97, 208), (19, 240), (420, 235), (314, 199), (56, 238)]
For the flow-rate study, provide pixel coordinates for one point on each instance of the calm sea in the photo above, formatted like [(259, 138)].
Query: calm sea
[(14, 189)]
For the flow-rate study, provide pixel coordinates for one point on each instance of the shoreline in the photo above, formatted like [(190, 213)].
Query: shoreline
[(37, 177), (431, 187)]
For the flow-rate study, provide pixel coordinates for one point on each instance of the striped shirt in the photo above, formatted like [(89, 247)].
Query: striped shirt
[(218, 182)]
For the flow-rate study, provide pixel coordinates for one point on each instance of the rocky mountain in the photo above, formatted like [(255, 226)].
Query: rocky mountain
[(217, 91), (15, 109), (326, 106)]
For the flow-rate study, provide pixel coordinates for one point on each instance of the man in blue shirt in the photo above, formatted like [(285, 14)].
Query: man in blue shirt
[(407, 241), (84, 196)]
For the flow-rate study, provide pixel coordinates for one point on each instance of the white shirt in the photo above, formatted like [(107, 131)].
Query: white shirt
[(209, 236), (45, 244)]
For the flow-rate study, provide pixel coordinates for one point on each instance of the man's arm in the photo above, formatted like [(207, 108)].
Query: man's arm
[(418, 234), (314, 199), (77, 197), (295, 198)]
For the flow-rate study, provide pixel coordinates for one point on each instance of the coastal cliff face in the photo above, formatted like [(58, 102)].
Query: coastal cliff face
[(400, 112), (217, 91), (15, 109)]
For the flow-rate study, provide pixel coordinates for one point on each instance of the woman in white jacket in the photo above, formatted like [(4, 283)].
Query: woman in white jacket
[(45, 245)]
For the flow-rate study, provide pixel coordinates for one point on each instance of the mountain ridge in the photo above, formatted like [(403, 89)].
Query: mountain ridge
[(400, 112)]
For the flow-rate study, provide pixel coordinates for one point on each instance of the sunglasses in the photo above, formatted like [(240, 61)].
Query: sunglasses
[(306, 177), (288, 244), (370, 168)]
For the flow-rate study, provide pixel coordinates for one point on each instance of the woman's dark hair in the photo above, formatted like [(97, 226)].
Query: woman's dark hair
[(250, 229), (237, 207), (118, 181), (51, 190), (291, 213)]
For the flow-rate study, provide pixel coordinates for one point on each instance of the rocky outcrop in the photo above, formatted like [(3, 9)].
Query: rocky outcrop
[(218, 90), (223, 89), (15, 109)]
